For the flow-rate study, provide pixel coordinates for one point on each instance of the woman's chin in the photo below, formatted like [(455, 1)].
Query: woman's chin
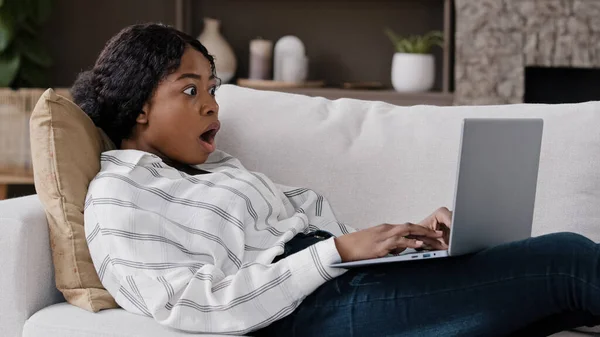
[(200, 157)]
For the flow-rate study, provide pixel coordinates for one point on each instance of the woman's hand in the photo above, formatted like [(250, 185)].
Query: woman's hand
[(440, 220), (382, 240)]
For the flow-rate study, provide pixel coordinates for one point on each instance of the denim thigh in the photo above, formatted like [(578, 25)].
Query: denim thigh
[(492, 293)]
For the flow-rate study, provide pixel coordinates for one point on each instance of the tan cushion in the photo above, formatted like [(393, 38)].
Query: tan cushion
[(65, 148)]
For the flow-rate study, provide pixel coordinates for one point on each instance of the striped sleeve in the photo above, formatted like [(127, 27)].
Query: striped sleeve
[(317, 209), (254, 297), (194, 294)]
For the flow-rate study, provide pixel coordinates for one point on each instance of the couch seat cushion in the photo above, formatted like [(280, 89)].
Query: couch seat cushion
[(66, 320)]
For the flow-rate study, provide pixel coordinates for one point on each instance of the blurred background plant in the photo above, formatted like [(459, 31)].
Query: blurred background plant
[(416, 44), (23, 59)]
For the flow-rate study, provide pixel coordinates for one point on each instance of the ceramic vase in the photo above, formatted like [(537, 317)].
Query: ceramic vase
[(290, 61), (413, 72), (217, 46)]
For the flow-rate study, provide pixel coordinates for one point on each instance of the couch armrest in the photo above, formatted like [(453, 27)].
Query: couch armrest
[(26, 271)]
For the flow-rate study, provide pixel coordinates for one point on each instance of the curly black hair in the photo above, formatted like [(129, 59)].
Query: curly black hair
[(127, 73)]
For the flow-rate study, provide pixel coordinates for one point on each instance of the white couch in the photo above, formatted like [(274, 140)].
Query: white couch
[(375, 162)]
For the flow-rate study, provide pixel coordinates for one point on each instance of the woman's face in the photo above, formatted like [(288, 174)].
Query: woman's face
[(180, 122)]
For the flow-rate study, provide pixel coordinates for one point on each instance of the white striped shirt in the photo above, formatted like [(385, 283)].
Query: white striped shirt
[(195, 252)]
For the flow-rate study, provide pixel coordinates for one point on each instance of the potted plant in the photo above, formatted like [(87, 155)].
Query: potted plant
[(23, 60), (413, 66)]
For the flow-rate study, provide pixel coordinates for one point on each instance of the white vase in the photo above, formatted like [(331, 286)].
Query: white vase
[(290, 61), (217, 46), (413, 72)]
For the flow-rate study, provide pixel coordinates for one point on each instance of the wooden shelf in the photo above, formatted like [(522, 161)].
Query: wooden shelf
[(388, 96), (13, 179), (332, 28)]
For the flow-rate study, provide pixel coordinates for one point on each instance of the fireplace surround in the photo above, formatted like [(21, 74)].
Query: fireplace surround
[(497, 40)]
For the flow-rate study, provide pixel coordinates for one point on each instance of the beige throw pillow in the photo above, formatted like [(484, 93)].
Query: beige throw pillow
[(66, 147)]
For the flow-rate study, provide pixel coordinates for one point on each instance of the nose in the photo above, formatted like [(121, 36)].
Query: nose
[(210, 106)]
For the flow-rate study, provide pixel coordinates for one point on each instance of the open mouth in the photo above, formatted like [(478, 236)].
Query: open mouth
[(208, 136)]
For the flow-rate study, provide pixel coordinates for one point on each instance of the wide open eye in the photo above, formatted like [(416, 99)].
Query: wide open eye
[(191, 91)]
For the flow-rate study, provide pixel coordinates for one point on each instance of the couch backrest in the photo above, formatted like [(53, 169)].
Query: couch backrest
[(377, 162)]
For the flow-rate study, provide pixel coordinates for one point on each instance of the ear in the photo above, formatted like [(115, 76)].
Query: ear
[(142, 118)]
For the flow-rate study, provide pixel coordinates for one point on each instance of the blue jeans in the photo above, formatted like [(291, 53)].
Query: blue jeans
[(533, 287)]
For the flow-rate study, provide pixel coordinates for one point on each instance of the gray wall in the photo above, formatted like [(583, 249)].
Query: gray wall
[(344, 38), (78, 30)]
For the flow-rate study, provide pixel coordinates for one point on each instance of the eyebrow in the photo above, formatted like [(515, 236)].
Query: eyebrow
[(193, 76)]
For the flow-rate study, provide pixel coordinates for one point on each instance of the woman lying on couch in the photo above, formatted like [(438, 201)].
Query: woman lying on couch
[(183, 233)]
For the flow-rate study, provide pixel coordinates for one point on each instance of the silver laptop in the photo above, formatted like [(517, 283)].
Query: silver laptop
[(495, 188)]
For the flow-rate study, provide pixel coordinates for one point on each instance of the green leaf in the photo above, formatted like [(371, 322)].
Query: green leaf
[(413, 44), (404, 46), (422, 47), (416, 44), (393, 37), (435, 38), (9, 66), (7, 29), (1, 3), (32, 49)]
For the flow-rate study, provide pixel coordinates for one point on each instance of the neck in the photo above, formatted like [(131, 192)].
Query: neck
[(133, 144), (137, 144)]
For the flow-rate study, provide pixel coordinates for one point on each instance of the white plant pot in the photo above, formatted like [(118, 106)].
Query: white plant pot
[(217, 46), (413, 72)]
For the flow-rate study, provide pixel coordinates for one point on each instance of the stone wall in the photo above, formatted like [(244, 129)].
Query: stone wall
[(497, 39)]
